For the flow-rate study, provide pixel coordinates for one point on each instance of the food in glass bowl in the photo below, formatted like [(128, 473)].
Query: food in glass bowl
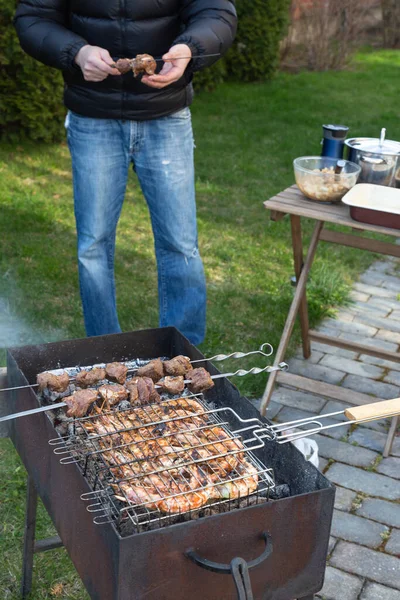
[(317, 179)]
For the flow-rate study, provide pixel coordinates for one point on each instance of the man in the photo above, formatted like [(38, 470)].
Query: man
[(115, 120)]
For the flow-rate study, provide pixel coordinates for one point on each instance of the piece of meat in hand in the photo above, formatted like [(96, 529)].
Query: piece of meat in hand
[(179, 365), (142, 391), (86, 379), (124, 65), (200, 380), (55, 383), (154, 369), (172, 385), (113, 394), (144, 63), (116, 371), (78, 404)]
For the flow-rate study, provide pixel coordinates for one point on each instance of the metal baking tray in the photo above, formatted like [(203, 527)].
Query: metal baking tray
[(374, 204)]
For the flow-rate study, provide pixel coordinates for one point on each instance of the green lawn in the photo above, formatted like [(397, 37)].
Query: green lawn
[(246, 138)]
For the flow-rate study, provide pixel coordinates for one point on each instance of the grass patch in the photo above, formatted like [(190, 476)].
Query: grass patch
[(246, 137)]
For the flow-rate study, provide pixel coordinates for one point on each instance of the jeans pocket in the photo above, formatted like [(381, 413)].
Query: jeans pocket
[(183, 114)]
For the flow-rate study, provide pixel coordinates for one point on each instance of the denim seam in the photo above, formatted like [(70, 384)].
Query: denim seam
[(164, 299)]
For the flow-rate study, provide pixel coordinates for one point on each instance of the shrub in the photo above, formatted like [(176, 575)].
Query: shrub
[(255, 52), (30, 93), (208, 79), (324, 33)]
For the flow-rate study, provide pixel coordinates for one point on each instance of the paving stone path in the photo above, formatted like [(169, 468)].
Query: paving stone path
[(364, 553)]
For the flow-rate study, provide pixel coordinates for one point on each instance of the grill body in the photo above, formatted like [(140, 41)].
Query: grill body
[(153, 565)]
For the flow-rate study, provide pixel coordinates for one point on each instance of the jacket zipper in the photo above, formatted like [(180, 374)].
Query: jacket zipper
[(123, 49)]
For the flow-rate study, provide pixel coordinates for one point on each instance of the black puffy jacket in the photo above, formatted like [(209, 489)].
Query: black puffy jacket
[(53, 31)]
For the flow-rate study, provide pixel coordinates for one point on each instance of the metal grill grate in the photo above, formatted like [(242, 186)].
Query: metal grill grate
[(166, 462)]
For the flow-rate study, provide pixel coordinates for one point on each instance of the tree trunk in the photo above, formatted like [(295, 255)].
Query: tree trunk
[(391, 23)]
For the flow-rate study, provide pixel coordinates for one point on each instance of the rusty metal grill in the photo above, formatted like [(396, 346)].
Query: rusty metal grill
[(165, 462)]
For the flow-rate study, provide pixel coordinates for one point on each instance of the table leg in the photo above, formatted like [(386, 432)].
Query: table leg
[(29, 538), (390, 437), (297, 243), (294, 308)]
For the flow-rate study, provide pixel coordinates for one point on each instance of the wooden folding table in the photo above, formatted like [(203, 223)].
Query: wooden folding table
[(292, 202)]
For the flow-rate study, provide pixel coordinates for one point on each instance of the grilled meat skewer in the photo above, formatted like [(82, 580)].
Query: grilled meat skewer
[(86, 379), (141, 64), (55, 383)]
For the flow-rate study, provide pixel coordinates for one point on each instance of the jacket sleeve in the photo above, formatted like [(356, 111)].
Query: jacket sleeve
[(43, 33), (209, 28)]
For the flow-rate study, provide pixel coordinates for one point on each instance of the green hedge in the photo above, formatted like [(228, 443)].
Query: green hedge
[(255, 51), (31, 93)]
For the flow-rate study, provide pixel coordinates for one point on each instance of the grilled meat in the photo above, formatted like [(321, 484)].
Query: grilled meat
[(154, 369), (116, 372), (86, 379), (179, 365), (144, 63), (172, 385), (142, 391), (124, 65), (164, 457), (113, 393), (78, 404), (200, 380), (55, 383), (133, 391)]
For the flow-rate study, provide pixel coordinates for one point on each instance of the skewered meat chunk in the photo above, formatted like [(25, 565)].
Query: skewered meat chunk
[(113, 394), (172, 385), (86, 379), (133, 392), (116, 371), (123, 65), (144, 63), (79, 402), (200, 380), (179, 365), (142, 391), (55, 383), (154, 369)]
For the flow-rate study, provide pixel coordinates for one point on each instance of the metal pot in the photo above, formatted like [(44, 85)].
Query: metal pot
[(379, 159)]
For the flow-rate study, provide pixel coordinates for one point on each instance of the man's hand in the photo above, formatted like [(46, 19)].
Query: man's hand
[(172, 69), (95, 63)]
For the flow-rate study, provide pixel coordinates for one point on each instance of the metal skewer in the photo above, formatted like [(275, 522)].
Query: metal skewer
[(217, 357), (186, 57), (238, 373)]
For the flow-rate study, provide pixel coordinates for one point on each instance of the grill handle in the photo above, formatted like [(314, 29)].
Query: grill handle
[(238, 567)]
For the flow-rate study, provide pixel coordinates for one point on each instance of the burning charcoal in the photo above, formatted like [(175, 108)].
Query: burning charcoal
[(179, 365), (200, 380), (280, 491), (125, 405), (144, 63), (116, 372), (55, 383), (79, 402), (154, 369), (172, 385), (159, 429), (89, 378), (113, 394)]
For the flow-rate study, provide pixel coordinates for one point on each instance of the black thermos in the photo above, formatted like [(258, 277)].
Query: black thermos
[(333, 140)]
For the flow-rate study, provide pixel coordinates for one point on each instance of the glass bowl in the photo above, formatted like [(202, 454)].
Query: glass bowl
[(316, 178)]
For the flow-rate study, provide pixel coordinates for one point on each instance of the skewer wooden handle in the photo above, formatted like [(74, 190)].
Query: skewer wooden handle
[(374, 411)]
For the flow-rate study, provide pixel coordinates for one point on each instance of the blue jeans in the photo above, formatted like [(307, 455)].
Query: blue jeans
[(162, 154)]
